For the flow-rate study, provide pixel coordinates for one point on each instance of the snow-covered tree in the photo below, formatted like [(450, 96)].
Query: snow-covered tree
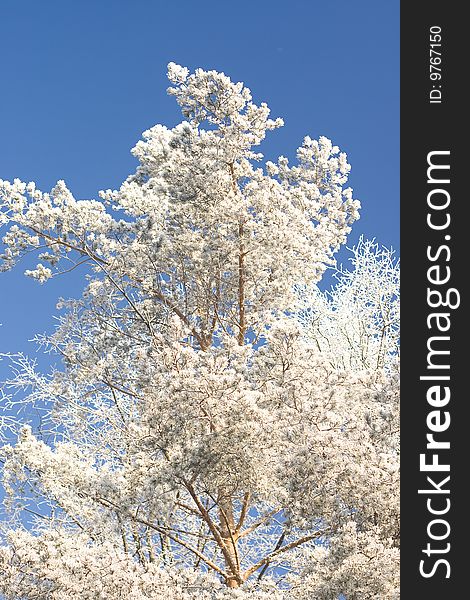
[(199, 441)]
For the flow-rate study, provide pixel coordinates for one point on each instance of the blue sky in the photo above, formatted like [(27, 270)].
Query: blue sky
[(81, 81)]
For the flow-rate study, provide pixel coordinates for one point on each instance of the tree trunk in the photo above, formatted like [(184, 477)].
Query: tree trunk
[(229, 537)]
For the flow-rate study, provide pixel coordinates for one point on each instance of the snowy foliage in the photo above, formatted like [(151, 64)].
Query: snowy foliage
[(358, 321), (210, 435)]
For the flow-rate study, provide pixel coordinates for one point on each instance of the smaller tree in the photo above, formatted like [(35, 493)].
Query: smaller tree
[(356, 326), (357, 321)]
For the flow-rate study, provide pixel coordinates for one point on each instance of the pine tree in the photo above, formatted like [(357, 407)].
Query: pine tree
[(199, 436)]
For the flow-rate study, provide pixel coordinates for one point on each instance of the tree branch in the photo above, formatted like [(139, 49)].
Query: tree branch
[(243, 512), (258, 523), (269, 557)]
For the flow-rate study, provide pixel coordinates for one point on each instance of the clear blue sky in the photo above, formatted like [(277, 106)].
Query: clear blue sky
[(81, 80)]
